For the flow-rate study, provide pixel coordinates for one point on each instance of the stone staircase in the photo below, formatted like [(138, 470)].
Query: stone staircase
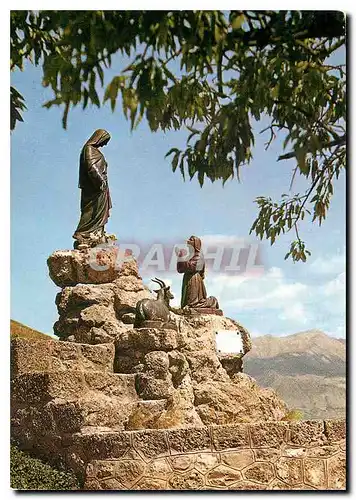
[(68, 387), (69, 407)]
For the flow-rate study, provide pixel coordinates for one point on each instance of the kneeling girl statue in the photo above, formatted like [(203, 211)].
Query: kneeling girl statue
[(95, 203), (194, 294)]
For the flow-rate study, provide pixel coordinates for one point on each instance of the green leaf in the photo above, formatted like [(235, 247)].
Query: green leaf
[(237, 22), (173, 150), (175, 161)]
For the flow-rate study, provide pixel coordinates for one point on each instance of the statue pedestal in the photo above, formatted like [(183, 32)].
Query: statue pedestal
[(98, 294), (169, 325), (205, 310)]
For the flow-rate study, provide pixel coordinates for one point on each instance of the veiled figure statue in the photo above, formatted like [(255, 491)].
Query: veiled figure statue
[(193, 289), (95, 202)]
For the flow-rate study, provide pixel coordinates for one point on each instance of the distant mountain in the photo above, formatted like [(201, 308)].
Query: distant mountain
[(307, 370), (18, 330)]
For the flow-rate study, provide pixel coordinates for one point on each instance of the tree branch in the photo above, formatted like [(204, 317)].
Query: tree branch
[(337, 142)]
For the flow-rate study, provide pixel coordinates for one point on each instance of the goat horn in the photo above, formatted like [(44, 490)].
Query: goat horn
[(155, 281), (160, 282)]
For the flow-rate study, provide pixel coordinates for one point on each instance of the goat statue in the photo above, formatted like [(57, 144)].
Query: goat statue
[(154, 312)]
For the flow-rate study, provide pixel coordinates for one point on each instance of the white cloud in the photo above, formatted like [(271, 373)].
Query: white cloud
[(336, 287), (274, 302), (296, 313), (329, 265)]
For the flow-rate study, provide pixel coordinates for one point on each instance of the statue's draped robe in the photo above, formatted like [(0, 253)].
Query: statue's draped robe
[(193, 289), (95, 197)]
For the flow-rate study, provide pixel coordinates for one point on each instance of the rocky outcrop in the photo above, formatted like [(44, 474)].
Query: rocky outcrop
[(154, 408), (69, 407), (178, 367), (94, 305)]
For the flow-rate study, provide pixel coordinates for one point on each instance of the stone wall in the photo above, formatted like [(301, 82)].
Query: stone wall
[(307, 455), (69, 407)]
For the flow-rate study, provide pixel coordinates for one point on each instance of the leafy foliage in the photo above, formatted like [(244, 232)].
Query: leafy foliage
[(29, 473), (293, 415), (234, 67), (17, 104)]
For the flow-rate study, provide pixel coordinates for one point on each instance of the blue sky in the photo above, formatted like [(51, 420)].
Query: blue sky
[(153, 204)]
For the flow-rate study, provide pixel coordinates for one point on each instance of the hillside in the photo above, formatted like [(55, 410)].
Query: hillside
[(307, 369), (18, 330)]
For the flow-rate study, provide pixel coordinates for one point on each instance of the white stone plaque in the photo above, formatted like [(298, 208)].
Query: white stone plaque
[(229, 342)]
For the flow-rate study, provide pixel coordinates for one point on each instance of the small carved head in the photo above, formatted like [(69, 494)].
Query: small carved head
[(164, 290)]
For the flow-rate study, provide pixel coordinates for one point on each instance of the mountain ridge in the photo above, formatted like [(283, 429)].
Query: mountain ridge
[(307, 370)]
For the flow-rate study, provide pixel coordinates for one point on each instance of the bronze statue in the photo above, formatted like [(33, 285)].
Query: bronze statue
[(95, 201), (151, 311), (193, 289)]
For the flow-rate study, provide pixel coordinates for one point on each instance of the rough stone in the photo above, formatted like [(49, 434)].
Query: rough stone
[(81, 296), (147, 415), (104, 411), (277, 484), (178, 367), (50, 355), (158, 468), (32, 388), (110, 484), (268, 434), (70, 267), (100, 468), (290, 470), (149, 339), (247, 485), (96, 315), (295, 452), (191, 480), (267, 454), (150, 443), (149, 387), (128, 472), (96, 445), (238, 459), (68, 417), (157, 364), (92, 484), (307, 432), (201, 329), (238, 401), (322, 451), (149, 483), (32, 423), (99, 357), (92, 304), (112, 384), (205, 366), (186, 440), (335, 430), (261, 472), (232, 363), (205, 461), (182, 462), (230, 436), (314, 472), (223, 476), (28, 356), (336, 467)]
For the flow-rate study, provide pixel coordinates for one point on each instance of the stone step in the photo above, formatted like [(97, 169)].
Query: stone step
[(33, 388), (29, 356), (93, 413)]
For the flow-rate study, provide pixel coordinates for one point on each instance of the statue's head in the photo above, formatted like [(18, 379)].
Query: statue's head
[(164, 289), (100, 138), (195, 242)]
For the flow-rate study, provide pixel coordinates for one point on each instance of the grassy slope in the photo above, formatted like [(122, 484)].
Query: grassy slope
[(18, 330)]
